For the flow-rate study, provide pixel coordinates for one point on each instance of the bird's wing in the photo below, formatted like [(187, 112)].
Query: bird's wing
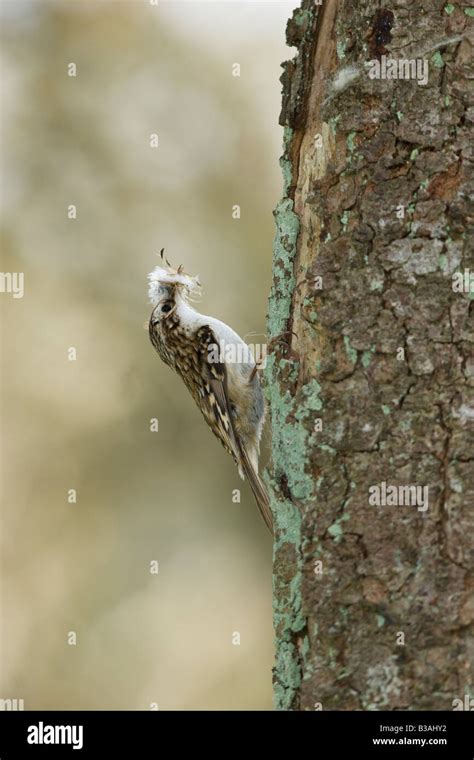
[(217, 409), (213, 399)]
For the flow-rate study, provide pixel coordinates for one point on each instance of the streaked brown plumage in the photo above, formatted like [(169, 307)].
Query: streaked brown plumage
[(228, 395)]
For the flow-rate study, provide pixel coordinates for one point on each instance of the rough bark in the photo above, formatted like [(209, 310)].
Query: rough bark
[(380, 350)]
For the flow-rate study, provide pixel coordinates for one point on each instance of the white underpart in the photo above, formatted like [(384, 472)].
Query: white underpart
[(192, 320)]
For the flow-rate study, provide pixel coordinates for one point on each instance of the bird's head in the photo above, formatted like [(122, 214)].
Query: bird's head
[(168, 287)]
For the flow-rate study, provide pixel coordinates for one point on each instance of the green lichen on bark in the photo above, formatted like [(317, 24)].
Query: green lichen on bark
[(287, 559), (287, 224), (335, 355), (291, 418), (291, 434)]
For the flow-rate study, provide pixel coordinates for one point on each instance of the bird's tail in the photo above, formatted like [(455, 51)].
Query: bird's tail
[(258, 489)]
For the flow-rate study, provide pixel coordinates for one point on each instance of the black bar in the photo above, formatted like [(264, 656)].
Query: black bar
[(346, 734)]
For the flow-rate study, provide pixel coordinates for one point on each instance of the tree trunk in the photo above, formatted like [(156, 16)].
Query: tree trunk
[(370, 378)]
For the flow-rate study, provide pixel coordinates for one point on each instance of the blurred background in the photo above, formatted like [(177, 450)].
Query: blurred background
[(142, 496)]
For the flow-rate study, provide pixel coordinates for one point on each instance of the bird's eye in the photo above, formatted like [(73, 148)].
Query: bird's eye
[(166, 308)]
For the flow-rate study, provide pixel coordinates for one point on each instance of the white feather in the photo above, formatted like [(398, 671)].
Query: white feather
[(160, 277)]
